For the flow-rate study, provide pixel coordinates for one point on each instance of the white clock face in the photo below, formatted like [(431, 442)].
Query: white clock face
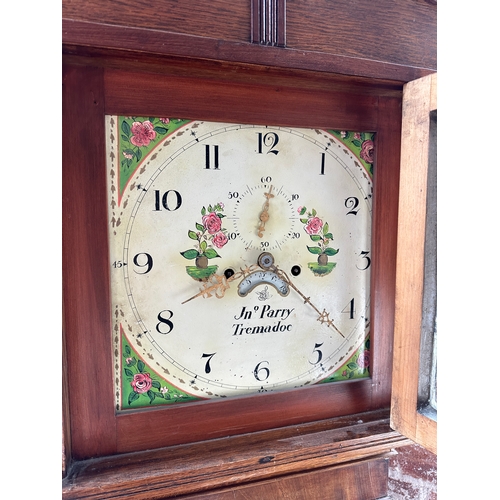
[(240, 257)]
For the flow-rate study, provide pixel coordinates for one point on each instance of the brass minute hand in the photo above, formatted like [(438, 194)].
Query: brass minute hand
[(324, 316), (264, 215)]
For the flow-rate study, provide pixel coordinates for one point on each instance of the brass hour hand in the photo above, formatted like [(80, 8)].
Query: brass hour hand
[(264, 215)]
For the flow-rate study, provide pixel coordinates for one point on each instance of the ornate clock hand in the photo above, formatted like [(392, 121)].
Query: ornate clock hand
[(323, 317), (218, 284), (264, 215), (266, 261)]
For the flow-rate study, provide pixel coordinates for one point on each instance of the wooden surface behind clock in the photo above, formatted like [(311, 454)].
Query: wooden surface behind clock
[(92, 92)]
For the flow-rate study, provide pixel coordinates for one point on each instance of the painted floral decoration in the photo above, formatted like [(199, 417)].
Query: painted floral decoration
[(359, 365), (318, 231), (361, 143), (209, 234), (140, 380), (138, 134)]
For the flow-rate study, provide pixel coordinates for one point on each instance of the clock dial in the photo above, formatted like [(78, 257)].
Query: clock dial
[(240, 258), (264, 216)]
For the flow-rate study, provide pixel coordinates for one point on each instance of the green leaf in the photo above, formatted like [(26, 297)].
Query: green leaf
[(160, 130), (193, 235), (314, 250), (151, 396), (352, 366), (329, 236), (356, 143), (128, 352), (126, 128), (221, 216), (128, 372), (200, 227), (203, 246), (314, 212), (315, 237), (125, 138), (140, 365), (304, 221), (156, 384), (203, 211), (138, 154), (325, 228), (210, 253), (303, 211), (190, 254), (331, 251), (132, 397)]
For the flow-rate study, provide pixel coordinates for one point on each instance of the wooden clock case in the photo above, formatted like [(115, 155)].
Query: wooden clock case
[(332, 437)]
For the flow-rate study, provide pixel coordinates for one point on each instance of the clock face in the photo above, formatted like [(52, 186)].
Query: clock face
[(240, 258)]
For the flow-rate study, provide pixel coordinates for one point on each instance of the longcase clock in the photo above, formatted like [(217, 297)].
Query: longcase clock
[(229, 244)]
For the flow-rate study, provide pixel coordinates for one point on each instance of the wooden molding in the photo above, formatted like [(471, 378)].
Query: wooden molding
[(79, 36), (230, 462), (269, 22)]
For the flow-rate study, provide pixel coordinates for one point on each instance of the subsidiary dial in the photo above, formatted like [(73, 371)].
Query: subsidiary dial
[(265, 216)]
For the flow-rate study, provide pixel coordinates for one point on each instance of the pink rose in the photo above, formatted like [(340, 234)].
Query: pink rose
[(219, 239), (142, 382), (363, 360), (314, 225), (212, 223), (142, 133), (367, 149)]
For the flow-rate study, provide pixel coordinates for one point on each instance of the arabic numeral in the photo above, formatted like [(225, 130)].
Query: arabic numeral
[(350, 309), (269, 140), (364, 255), (165, 326), (352, 204), (261, 373), (319, 354), (208, 368), (146, 265)]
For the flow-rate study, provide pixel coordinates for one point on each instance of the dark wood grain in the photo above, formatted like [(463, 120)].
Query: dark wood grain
[(228, 462), (344, 68), (86, 307), (80, 35), (384, 240), (218, 19), (233, 72), (245, 102), (88, 314), (345, 37), (398, 31), (363, 480)]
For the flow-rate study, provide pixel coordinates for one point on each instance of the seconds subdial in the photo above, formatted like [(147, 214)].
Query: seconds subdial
[(280, 209)]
